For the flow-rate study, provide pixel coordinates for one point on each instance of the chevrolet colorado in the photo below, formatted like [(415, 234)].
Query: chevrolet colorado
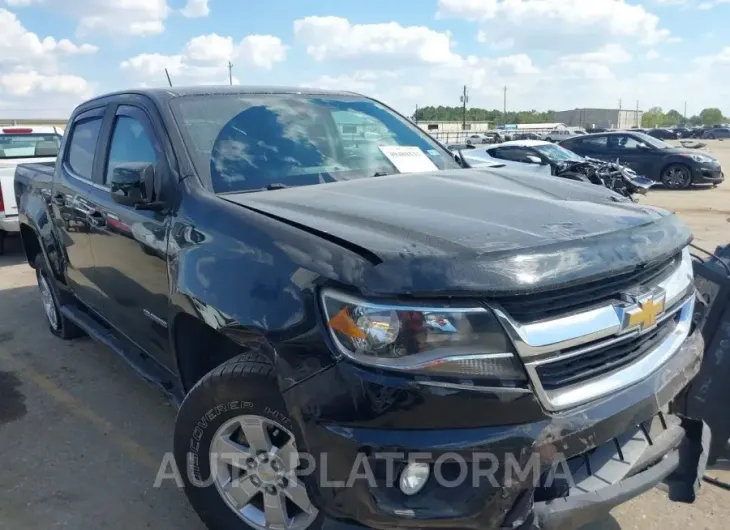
[(352, 323)]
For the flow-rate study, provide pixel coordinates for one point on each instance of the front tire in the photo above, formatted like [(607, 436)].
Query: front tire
[(58, 324), (677, 177), (235, 449)]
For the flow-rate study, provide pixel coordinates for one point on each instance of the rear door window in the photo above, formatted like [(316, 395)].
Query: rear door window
[(82, 146)]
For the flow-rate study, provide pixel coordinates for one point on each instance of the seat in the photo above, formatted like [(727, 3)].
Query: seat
[(46, 149)]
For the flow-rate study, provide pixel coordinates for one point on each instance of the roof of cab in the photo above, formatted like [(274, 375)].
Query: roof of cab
[(168, 93)]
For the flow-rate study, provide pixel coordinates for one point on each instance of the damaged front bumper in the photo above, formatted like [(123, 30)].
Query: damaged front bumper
[(616, 448), (676, 458)]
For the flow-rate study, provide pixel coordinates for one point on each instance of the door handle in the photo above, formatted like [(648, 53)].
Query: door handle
[(59, 199), (96, 218)]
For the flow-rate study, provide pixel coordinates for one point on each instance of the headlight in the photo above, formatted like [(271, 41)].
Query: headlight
[(699, 158), (467, 342)]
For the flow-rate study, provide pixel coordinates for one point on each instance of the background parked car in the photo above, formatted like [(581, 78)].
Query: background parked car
[(527, 136), (675, 167), (562, 134), (663, 134), (719, 132), (682, 132), (483, 138)]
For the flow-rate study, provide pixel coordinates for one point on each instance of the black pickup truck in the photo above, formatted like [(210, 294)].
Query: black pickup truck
[(358, 331)]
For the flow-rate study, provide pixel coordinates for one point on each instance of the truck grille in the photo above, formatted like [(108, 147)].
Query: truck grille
[(575, 370), (538, 306)]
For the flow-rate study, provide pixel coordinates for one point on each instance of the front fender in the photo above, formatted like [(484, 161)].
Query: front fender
[(255, 280)]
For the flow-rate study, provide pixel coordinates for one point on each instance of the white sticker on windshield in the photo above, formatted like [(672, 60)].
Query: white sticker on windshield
[(408, 159)]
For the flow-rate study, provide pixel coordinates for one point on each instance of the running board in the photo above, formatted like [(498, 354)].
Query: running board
[(140, 361)]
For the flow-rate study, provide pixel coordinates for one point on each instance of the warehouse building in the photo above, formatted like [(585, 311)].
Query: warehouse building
[(603, 118)]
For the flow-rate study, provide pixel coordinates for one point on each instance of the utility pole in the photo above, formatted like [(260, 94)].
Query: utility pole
[(638, 121), (168, 77), (230, 72), (685, 111), (504, 106), (464, 100), (618, 121)]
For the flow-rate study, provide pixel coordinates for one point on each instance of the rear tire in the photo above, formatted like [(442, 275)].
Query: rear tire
[(219, 411), (2, 242), (676, 177), (58, 324)]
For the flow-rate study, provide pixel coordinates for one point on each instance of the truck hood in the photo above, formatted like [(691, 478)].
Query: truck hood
[(479, 230)]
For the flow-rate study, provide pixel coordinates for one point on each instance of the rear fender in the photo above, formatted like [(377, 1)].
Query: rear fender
[(34, 212)]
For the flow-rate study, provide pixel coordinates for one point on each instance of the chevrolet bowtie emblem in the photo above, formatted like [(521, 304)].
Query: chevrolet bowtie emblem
[(646, 312)]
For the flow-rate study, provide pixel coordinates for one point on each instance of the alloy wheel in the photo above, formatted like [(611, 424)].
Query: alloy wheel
[(49, 304), (254, 461), (676, 177)]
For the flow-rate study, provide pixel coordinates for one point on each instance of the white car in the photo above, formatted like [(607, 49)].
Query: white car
[(19, 145), (535, 156), (563, 134), (483, 138)]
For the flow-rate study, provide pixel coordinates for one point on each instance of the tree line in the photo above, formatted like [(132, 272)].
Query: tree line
[(654, 117), (474, 114)]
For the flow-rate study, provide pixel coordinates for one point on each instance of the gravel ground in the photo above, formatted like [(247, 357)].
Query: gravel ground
[(82, 437)]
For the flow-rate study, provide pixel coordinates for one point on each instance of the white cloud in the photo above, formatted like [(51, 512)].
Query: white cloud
[(204, 59), (22, 48), (519, 63), (336, 38), (262, 51), (538, 18), (33, 83), (717, 60), (126, 17), (117, 17), (652, 55), (30, 66), (196, 9), (595, 65)]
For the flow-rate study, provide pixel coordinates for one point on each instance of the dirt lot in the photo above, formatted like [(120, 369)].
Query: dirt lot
[(82, 437)]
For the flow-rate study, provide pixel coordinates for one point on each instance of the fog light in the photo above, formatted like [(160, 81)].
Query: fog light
[(414, 477)]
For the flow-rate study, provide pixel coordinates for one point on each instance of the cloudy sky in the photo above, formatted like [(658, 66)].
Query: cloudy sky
[(552, 54)]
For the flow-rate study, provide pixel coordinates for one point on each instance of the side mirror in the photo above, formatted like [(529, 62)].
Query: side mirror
[(530, 159), (133, 183)]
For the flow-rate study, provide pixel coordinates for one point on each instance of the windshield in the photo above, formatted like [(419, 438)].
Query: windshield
[(29, 145), (555, 153), (650, 140), (249, 142)]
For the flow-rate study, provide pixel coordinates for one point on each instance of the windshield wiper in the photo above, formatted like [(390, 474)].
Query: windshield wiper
[(381, 174), (272, 186)]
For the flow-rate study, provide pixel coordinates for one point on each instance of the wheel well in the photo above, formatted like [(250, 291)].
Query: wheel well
[(31, 245), (199, 348)]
